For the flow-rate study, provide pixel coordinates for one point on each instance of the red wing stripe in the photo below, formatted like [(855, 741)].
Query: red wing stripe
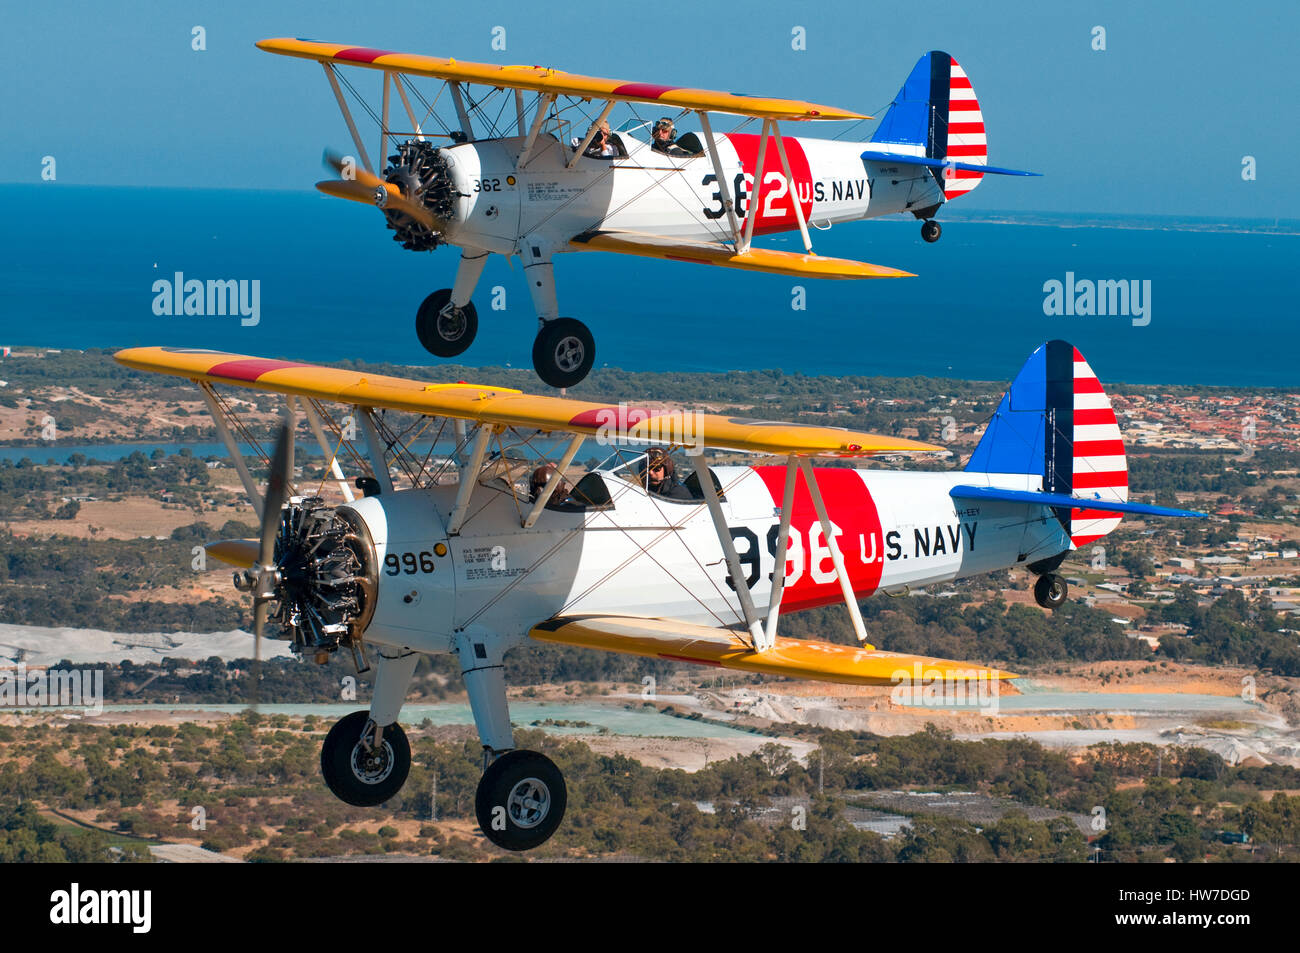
[(643, 90), (250, 369), (361, 54)]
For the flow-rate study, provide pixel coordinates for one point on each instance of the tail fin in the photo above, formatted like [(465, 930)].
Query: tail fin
[(936, 116), (1057, 422)]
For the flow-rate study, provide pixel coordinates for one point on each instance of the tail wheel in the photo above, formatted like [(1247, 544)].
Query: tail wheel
[(1050, 591), (360, 774), (931, 230), (520, 800), (444, 329), (564, 352)]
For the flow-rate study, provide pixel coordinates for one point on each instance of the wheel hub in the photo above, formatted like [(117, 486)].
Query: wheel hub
[(569, 354), (451, 323), (528, 803), (372, 765)]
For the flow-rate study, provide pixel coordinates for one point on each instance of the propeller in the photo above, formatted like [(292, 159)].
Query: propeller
[(262, 576), (359, 185)]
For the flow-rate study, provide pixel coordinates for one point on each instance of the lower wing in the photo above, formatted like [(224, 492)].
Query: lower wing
[(795, 658), (713, 253)]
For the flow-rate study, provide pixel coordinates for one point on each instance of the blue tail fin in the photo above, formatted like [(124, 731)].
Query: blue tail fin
[(1056, 422), (936, 116)]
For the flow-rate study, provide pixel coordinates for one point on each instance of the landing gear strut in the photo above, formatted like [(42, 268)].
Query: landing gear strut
[(1050, 590), (358, 771), (931, 230), (563, 352), (520, 800)]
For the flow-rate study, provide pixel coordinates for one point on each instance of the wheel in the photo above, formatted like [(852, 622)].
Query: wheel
[(445, 330), (931, 230), (1050, 591), (563, 352), (357, 776), (520, 800)]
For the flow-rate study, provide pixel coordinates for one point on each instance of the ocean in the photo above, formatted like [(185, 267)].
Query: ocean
[(78, 265)]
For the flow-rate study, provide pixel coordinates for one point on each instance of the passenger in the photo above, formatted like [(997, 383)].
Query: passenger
[(538, 483), (603, 143), (660, 476)]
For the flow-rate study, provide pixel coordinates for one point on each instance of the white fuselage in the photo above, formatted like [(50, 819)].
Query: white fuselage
[(544, 203), (647, 556)]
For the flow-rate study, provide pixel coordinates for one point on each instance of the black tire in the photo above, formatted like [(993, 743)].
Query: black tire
[(931, 230), (564, 352), (449, 334), (520, 800), (343, 764), (1051, 590)]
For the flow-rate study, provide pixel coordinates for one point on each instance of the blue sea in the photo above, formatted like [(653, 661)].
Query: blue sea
[(77, 267)]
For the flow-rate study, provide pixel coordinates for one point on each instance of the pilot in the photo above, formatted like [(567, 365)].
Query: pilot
[(664, 138), (538, 483), (660, 476)]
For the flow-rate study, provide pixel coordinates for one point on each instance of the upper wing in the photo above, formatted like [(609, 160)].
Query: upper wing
[(510, 408), (543, 80), (712, 253), (820, 661)]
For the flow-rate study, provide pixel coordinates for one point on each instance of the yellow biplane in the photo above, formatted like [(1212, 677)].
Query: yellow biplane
[(525, 164), (473, 531)]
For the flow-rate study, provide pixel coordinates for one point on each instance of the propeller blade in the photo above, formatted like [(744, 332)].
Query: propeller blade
[(358, 185), (277, 492), (237, 552), (353, 172), (260, 610)]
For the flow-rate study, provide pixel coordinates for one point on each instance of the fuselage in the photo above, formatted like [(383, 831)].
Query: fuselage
[(503, 207), (641, 554)]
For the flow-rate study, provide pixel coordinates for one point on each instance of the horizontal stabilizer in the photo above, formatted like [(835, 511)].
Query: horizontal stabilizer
[(1070, 502), (676, 641), (795, 264), (874, 155)]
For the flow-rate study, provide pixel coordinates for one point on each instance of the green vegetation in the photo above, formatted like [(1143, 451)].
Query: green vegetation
[(256, 781)]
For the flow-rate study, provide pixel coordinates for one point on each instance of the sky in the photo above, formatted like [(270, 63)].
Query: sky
[(1159, 122)]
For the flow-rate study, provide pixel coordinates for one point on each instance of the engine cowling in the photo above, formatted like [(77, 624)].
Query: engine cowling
[(425, 175)]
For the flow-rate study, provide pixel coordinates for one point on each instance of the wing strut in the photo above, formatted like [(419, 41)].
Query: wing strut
[(461, 114), (406, 104), (828, 534), (383, 120), (758, 640), (783, 534), (591, 134), (237, 458), (468, 477), (723, 188), (347, 117), (754, 208), (557, 475), (794, 192), (543, 108), (313, 421), (375, 447)]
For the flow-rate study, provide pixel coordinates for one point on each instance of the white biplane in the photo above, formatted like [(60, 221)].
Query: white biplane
[(524, 164), (488, 544)]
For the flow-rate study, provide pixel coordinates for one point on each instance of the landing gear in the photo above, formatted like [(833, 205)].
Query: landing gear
[(1050, 591), (520, 800), (931, 230), (444, 329), (358, 771), (564, 352)]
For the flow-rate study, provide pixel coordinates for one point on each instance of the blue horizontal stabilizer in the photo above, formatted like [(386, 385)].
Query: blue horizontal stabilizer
[(875, 156), (1060, 499)]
